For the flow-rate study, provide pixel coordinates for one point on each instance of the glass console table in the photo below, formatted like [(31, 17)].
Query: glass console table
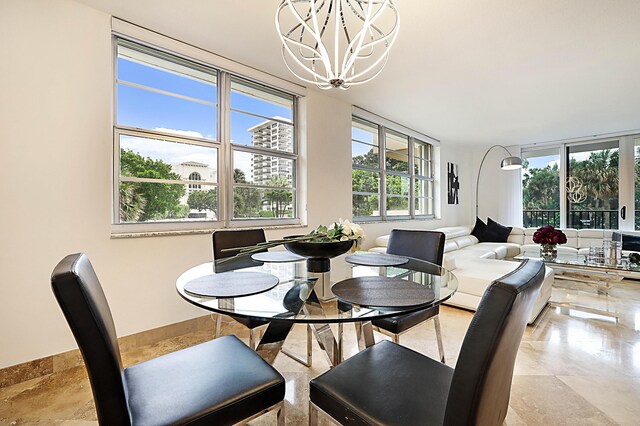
[(573, 267)]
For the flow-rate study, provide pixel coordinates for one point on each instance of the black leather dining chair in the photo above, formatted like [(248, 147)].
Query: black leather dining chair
[(218, 382), (393, 385), (224, 240), (423, 245)]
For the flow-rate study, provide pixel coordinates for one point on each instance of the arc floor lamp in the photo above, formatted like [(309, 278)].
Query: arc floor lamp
[(508, 163)]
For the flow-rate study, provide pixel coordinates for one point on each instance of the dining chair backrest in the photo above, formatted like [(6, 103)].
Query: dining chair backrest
[(481, 384), (423, 245), (227, 239), (80, 296)]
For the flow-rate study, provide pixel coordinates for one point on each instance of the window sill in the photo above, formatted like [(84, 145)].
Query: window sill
[(402, 219), (173, 233)]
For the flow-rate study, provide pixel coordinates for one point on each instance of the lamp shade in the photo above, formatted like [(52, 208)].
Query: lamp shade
[(511, 163)]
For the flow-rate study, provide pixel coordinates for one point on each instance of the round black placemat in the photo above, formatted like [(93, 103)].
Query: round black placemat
[(231, 284), (276, 257), (383, 292), (376, 259)]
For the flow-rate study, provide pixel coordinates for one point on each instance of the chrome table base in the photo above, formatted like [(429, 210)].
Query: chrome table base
[(274, 336)]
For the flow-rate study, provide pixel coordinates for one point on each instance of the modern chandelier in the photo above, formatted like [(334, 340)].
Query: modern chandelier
[(336, 43)]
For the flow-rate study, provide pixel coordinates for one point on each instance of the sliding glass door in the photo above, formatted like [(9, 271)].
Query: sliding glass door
[(541, 188), (593, 185)]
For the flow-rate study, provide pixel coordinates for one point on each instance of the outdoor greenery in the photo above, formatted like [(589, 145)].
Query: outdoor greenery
[(203, 200), (278, 199), (366, 181), (595, 185), (140, 201)]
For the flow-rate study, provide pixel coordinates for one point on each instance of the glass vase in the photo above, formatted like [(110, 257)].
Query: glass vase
[(548, 251)]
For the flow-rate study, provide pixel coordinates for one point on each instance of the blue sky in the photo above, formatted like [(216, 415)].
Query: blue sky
[(150, 110)]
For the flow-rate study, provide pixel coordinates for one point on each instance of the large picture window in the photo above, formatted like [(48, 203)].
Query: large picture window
[(392, 173), (590, 184), (197, 147)]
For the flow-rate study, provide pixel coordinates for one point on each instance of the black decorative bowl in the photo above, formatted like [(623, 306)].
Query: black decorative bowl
[(318, 254)]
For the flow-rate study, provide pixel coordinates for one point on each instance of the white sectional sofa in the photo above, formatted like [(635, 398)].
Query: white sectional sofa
[(477, 264)]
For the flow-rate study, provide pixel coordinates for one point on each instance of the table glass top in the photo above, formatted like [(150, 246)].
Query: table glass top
[(578, 260), (294, 298)]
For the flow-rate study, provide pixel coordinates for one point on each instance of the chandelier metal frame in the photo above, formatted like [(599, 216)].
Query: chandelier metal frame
[(305, 45)]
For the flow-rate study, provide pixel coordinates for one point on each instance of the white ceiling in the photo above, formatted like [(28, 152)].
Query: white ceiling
[(466, 72)]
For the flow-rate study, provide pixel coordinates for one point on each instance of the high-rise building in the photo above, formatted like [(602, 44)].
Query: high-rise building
[(274, 135)]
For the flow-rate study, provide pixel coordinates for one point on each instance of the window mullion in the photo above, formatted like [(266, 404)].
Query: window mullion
[(226, 165), (382, 156), (412, 180)]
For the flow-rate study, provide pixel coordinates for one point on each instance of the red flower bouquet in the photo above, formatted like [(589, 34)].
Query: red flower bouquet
[(548, 235)]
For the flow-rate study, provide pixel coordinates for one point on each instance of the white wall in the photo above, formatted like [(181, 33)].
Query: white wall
[(55, 116), (500, 193)]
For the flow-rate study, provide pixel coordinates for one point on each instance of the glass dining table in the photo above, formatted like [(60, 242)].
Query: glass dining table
[(302, 297)]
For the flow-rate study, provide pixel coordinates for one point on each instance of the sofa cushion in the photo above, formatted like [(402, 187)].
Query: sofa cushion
[(474, 276), (516, 236), (449, 262), (382, 241), (451, 232), (450, 246), (475, 252), (502, 249), (587, 237), (495, 232), (466, 241)]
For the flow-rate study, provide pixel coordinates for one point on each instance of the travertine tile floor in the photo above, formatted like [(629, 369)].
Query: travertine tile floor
[(573, 368)]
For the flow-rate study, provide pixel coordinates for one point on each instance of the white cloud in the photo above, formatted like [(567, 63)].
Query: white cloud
[(190, 133)]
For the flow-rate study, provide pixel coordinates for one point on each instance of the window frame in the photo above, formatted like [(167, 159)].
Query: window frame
[(222, 142), (626, 172), (383, 127)]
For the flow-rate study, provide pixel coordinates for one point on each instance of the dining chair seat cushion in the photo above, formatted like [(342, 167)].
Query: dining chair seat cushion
[(217, 382), (385, 385), (401, 323)]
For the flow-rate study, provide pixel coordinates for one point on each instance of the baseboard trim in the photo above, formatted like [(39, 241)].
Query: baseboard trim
[(63, 361)]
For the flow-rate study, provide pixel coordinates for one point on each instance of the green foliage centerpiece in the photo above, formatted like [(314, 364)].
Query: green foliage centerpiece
[(318, 246)]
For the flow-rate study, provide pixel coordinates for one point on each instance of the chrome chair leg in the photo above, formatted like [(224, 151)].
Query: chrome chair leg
[(218, 326), (313, 414), (436, 323)]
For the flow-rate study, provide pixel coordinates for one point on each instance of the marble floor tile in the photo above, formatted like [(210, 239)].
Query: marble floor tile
[(572, 368), (619, 397)]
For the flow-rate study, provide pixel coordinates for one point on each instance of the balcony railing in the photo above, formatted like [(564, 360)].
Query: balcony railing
[(538, 218), (583, 219)]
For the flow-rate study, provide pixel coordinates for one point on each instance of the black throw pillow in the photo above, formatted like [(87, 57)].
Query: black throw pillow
[(479, 229), (496, 233)]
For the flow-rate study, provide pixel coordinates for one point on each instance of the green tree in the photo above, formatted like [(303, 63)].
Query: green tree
[(132, 203), (599, 177), (364, 181), (203, 200), (161, 200), (541, 188), (278, 199), (247, 202)]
